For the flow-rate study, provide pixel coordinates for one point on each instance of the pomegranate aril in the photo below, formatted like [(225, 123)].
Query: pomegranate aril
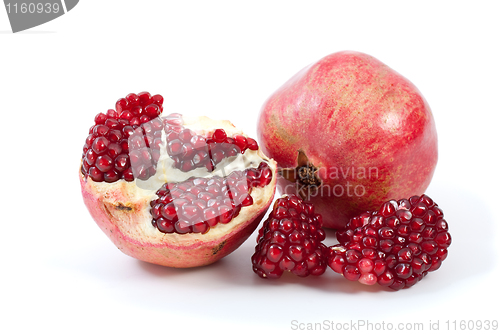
[(100, 130), (219, 136), (108, 139), (90, 157), (158, 100), (211, 216), (96, 174), (144, 98), (351, 272), (126, 115), (128, 175), (290, 241), (111, 176), (252, 144), (241, 142), (407, 248), (104, 163), (100, 118), (132, 100), (121, 104), (198, 201), (100, 145), (164, 225)]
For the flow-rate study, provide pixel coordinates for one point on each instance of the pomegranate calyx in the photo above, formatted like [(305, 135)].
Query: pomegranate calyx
[(304, 175)]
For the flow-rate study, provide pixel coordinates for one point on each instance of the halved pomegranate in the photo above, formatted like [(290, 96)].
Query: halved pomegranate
[(173, 190)]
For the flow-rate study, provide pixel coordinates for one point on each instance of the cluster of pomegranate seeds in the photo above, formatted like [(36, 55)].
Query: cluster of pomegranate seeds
[(124, 142), (395, 246), (190, 151), (197, 204), (290, 240)]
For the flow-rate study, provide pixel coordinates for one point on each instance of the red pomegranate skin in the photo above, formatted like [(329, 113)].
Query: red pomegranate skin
[(367, 129)]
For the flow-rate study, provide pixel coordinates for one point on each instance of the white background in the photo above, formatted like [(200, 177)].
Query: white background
[(60, 273)]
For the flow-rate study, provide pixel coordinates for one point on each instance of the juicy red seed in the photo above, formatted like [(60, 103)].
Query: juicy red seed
[(219, 136), (152, 110), (337, 263), (144, 98), (111, 176), (252, 144), (100, 118), (126, 115), (165, 226), (128, 175), (403, 270), (410, 239), (108, 139), (100, 145), (351, 272), (132, 99), (100, 130), (174, 147), (90, 156), (121, 104), (115, 135), (275, 253), (157, 99), (241, 142), (288, 240), (96, 174), (114, 150), (197, 204), (144, 119), (186, 135), (104, 163)]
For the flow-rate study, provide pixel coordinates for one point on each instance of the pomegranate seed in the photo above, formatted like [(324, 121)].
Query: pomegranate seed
[(241, 142), (158, 100), (395, 246), (286, 241), (100, 145), (104, 163), (121, 104), (152, 110), (144, 99), (100, 118), (106, 151), (197, 204), (96, 174), (219, 136), (252, 144)]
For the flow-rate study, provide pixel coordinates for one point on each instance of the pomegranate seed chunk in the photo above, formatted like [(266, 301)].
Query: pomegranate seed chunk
[(107, 154), (291, 237), (198, 204), (405, 246)]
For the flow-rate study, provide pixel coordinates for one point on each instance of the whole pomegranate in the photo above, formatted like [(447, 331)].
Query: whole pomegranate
[(348, 134), (173, 190)]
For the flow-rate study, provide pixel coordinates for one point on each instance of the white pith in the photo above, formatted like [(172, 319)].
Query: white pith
[(137, 194)]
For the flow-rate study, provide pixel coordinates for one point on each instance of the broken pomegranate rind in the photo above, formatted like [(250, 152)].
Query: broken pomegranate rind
[(122, 209), (197, 204)]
